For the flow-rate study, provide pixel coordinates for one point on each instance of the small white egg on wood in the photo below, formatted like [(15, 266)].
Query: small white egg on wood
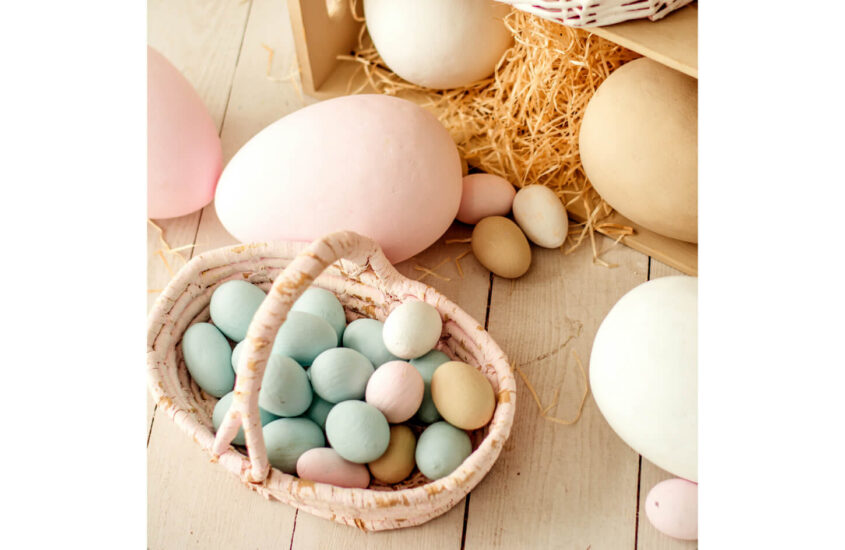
[(541, 215)]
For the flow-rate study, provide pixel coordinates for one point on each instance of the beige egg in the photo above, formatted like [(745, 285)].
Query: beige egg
[(397, 462), (639, 147), (500, 246), (463, 396)]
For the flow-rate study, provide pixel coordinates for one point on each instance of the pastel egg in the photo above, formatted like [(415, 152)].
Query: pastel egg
[(287, 438), (285, 390), (294, 179), (319, 410), (485, 195), (233, 304), (499, 245), (541, 215), (324, 465), (365, 336), (397, 462), (324, 304), (339, 374), (396, 389), (222, 407), (441, 449), (357, 431), (208, 357), (672, 507), (303, 337), (412, 329), (426, 365), (236, 354), (462, 395), (184, 157)]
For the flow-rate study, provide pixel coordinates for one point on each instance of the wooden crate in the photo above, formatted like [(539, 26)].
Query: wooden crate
[(320, 37)]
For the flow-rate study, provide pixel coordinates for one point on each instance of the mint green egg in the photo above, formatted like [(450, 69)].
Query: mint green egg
[(426, 365), (232, 306), (287, 438), (364, 336), (285, 390), (441, 448), (339, 374), (208, 357), (236, 354), (358, 431), (324, 304), (303, 337), (319, 410), (222, 407)]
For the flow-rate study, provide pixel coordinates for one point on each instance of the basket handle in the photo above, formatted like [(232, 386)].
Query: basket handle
[(272, 312)]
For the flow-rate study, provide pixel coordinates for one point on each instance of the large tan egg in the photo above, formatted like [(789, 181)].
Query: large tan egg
[(463, 396), (501, 247), (639, 147)]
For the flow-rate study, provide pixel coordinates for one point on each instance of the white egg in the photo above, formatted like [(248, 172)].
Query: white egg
[(412, 330), (541, 215)]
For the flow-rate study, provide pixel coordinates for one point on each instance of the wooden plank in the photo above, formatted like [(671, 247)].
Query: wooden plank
[(558, 486)]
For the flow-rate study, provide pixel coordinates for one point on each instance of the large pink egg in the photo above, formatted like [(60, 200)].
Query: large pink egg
[(672, 507), (378, 165), (184, 158)]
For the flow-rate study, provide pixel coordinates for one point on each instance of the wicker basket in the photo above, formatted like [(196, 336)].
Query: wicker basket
[(595, 13), (355, 269)]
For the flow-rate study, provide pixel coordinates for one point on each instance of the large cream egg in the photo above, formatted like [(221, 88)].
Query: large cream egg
[(439, 43), (644, 372), (378, 165), (639, 147)]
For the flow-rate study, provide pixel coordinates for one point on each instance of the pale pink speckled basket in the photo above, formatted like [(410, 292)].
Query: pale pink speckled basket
[(596, 13), (356, 270)]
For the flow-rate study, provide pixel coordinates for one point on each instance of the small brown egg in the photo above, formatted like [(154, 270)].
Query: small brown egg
[(462, 395), (500, 246), (397, 462)]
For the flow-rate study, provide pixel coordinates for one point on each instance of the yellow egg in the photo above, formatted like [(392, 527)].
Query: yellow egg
[(500, 246), (397, 462), (463, 396)]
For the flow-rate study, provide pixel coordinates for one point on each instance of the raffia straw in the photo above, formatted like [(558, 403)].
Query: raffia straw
[(555, 400), (458, 263), (270, 53), (431, 271), (453, 241), (583, 397)]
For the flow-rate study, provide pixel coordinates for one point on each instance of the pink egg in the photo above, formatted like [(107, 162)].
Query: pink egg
[(672, 507), (396, 389), (324, 465), (485, 195), (184, 158)]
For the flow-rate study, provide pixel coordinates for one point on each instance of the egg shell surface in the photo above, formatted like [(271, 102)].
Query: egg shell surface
[(222, 407), (285, 389), (396, 389), (184, 156), (412, 329), (541, 216), (233, 304), (287, 438), (485, 195), (340, 374), (366, 163), (397, 462), (324, 304), (644, 372), (357, 431), (365, 337), (462, 395), (208, 357), (426, 365), (500, 246), (319, 410), (303, 337), (441, 448), (324, 465), (672, 507), (236, 354)]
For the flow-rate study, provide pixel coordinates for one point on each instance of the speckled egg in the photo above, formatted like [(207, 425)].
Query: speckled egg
[(324, 465), (396, 389), (441, 449), (672, 507), (285, 390), (426, 365), (485, 195), (303, 337), (397, 462), (324, 304), (319, 410), (365, 337), (233, 305), (287, 438), (357, 431), (499, 245), (208, 357), (339, 374), (462, 395), (412, 329), (222, 407), (541, 216)]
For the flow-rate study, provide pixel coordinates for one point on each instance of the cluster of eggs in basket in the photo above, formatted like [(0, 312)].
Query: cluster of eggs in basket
[(349, 386)]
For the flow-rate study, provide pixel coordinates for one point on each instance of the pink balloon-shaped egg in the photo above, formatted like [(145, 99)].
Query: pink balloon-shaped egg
[(484, 195), (184, 158), (672, 507), (325, 465), (396, 389)]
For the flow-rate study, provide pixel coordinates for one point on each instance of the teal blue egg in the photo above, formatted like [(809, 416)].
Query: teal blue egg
[(303, 337), (324, 304), (208, 357), (339, 374), (364, 336), (441, 448), (319, 410), (287, 438), (236, 354), (358, 431), (426, 365), (232, 306), (285, 390), (222, 407)]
